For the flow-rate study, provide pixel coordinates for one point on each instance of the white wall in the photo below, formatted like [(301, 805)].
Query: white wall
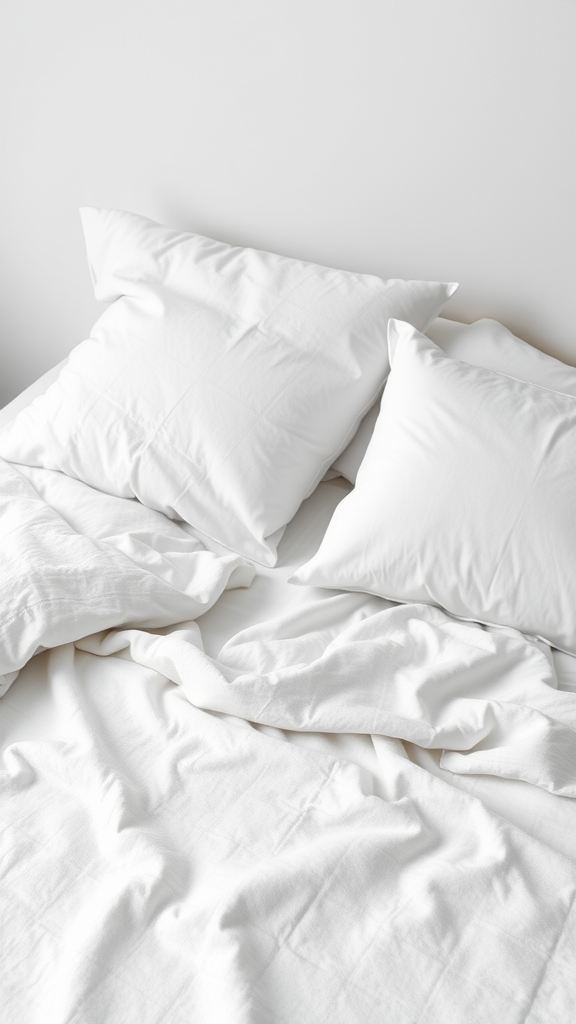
[(422, 138)]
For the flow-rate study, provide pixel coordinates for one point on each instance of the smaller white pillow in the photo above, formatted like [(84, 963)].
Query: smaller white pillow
[(484, 343), (465, 498)]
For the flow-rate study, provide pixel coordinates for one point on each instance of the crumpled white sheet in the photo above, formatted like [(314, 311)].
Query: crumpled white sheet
[(487, 698), (75, 560), (163, 862)]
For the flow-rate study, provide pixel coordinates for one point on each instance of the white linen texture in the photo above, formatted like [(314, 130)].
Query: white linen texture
[(164, 859), (87, 561), (465, 498), (220, 383)]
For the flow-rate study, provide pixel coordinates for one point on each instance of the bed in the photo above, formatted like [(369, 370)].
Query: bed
[(288, 695)]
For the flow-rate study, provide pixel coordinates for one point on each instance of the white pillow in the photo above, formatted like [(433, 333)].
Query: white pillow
[(220, 384), (484, 343), (465, 499)]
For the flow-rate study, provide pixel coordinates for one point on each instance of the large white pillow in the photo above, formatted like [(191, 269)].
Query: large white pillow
[(221, 383), (465, 499), (484, 343)]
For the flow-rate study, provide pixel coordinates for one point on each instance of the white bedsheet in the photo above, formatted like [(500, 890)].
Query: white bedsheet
[(75, 560), (165, 859)]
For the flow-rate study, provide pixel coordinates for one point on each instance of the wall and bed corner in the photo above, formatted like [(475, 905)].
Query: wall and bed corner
[(420, 140)]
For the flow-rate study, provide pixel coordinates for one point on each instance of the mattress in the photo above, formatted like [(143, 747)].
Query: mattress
[(194, 830)]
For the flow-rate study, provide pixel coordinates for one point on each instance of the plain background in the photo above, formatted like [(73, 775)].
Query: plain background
[(412, 138)]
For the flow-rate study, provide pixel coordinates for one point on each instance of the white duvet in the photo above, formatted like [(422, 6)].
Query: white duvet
[(168, 857)]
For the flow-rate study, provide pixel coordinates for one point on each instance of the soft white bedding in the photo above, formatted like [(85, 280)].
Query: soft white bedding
[(75, 560), (165, 859)]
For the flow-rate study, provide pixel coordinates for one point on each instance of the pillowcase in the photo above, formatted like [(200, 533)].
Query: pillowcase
[(220, 384), (465, 498), (484, 343)]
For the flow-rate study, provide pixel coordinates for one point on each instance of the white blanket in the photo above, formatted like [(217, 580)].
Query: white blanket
[(82, 560), (164, 860)]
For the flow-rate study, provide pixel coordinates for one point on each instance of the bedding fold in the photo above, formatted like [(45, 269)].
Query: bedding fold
[(487, 698), (75, 560)]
